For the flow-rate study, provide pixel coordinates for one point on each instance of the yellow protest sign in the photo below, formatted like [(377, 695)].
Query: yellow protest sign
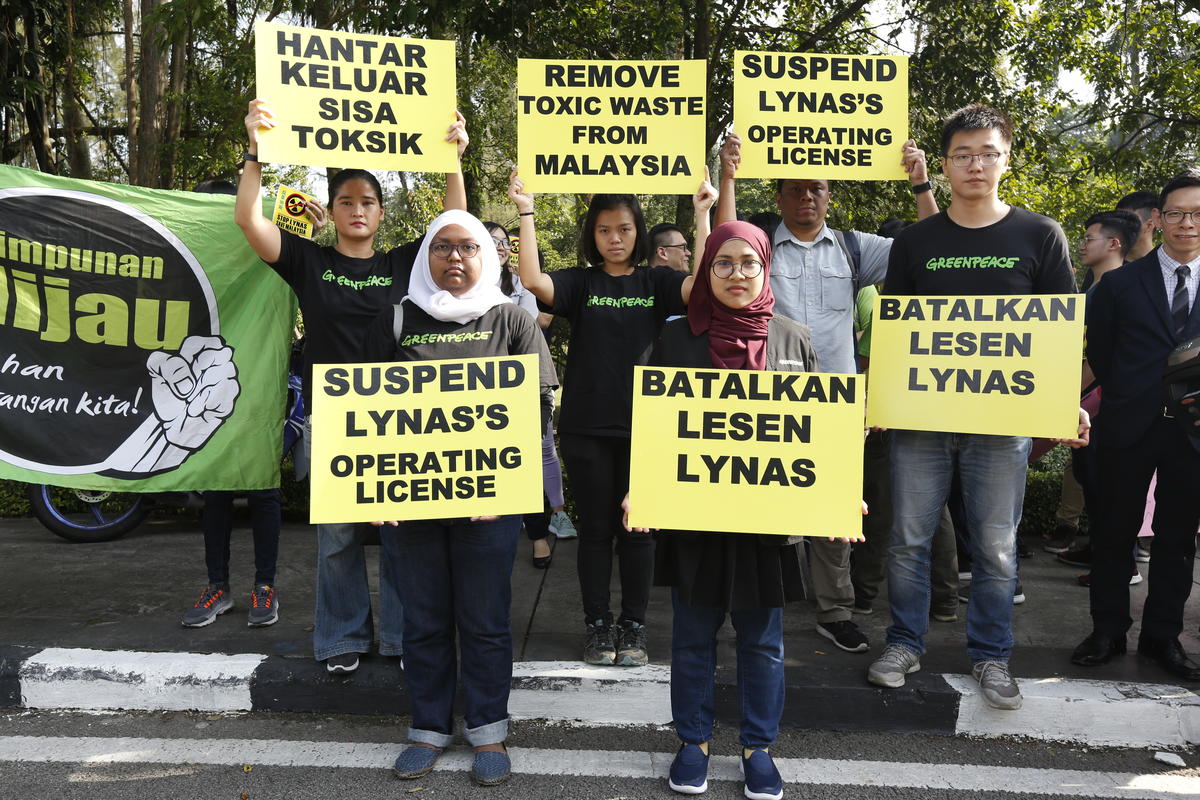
[(355, 100), (611, 126), (744, 451), (291, 211), (426, 439), (1005, 365), (814, 115)]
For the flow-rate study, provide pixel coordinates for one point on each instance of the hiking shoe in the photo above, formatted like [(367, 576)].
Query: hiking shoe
[(213, 600), (945, 614), (342, 664), (845, 634), (862, 607), (891, 667), (689, 770), (1077, 557), (998, 687), (264, 606), (416, 761), (763, 781), (631, 644), (1060, 541), (598, 645), (561, 525), (1141, 553)]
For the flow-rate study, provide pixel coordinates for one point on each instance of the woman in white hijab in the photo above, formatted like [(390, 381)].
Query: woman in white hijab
[(455, 574)]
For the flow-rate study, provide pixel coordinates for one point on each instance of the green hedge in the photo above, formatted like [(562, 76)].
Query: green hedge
[(1041, 495)]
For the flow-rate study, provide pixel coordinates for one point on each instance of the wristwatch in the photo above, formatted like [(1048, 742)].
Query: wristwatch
[(922, 187), (248, 156)]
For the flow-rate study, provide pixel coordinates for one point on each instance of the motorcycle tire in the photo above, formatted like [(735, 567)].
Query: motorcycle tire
[(82, 515)]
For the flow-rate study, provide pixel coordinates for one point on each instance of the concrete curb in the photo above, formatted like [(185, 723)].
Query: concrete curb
[(1094, 712)]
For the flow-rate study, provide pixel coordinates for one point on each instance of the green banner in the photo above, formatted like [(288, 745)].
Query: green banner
[(143, 345)]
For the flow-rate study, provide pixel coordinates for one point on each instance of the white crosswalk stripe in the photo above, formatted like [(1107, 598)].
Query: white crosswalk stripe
[(602, 763)]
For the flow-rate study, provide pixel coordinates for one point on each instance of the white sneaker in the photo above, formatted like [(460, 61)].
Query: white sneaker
[(561, 525)]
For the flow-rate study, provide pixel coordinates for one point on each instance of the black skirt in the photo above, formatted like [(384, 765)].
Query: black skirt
[(733, 571)]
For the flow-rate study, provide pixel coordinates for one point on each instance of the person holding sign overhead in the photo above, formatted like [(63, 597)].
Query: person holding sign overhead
[(978, 246), (818, 272), (616, 308), (455, 574), (340, 289), (730, 324)]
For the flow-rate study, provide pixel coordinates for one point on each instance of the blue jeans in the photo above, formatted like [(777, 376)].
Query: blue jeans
[(342, 622), (992, 470), (694, 665), (456, 583)]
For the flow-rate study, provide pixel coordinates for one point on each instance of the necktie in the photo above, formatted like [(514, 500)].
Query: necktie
[(1179, 300)]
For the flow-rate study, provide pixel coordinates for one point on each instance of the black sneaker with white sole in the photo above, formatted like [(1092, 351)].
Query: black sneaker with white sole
[(845, 634), (214, 600), (342, 664)]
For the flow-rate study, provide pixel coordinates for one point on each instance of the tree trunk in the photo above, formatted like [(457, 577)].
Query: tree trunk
[(176, 101), (79, 157), (131, 93), (35, 102), (151, 83)]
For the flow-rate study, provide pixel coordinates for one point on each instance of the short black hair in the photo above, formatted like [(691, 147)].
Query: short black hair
[(1122, 224), (354, 174), (1141, 203), (974, 117), (215, 186), (892, 226), (1188, 178), (658, 234), (611, 202), (767, 220)]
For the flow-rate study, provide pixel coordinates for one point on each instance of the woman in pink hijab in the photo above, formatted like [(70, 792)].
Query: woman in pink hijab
[(730, 324)]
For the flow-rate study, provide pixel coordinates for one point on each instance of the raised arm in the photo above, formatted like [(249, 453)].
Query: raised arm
[(912, 158), (259, 231), (532, 277), (702, 203), (456, 188), (731, 157)]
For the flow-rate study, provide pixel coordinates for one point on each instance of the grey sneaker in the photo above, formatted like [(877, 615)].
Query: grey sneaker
[(891, 667), (998, 687), (214, 600), (264, 606), (561, 525), (598, 645), (631, 644)]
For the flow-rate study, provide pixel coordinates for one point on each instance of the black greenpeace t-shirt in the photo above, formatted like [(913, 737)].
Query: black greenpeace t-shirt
[(1024, 253), (340, 296), (504, 330), (614, 323)]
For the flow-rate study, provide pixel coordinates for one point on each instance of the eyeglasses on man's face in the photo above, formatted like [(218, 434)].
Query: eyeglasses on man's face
[(961, 160), (1175, 217)]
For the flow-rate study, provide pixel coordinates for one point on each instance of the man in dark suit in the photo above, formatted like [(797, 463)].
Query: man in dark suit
[(1137, 316)]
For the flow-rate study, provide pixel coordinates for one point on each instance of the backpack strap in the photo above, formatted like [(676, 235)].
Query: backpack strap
[(853, 252), (398, 319)]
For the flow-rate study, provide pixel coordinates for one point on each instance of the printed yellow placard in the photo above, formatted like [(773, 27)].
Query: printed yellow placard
[(611, 126), (291, 211), (740, 451), (355, 100), (1005, 365), (426, 439), (814, 115)]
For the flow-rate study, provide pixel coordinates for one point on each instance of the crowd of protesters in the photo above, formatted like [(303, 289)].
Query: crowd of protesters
[(775, 292)]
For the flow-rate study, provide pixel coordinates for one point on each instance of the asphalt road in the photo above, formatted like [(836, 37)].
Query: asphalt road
[(181, 756)]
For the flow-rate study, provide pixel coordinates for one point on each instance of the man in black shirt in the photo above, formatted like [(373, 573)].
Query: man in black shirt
[(978, 246)]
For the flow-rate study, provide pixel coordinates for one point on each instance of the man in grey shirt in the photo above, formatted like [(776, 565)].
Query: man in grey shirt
[(815, 283)]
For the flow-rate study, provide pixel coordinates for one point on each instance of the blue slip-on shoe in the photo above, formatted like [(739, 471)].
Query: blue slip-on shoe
[(763, 781), (689, 770), (491, 767), (416, 761)]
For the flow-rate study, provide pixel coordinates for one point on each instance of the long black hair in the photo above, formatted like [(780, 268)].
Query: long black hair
[(506, 279), (352, 174), (611, 202)]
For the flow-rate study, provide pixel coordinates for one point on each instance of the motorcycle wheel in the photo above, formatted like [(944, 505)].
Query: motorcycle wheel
[(82, 515)]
